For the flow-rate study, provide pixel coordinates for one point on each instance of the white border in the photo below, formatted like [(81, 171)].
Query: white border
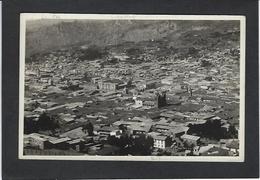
[(1, 88), (36, 16)]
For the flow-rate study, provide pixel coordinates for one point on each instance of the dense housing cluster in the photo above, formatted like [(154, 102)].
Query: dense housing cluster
[(145, 98)]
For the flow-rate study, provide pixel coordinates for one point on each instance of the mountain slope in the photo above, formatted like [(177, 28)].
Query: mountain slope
[(43, 37)]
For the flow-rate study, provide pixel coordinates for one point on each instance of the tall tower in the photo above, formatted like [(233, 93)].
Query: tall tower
[(161, 99), (38, 72)]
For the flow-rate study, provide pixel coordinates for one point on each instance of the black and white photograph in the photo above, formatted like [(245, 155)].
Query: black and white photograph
[(132, 87)]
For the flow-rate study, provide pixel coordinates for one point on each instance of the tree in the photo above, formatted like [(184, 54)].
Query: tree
[(211, 129), (205, 63), (122, 128), (89, 127), (30, 126), (86, 77), (121, 142), (92, 53), (47, 122), (193, 51), (232, 132), (142, 145)]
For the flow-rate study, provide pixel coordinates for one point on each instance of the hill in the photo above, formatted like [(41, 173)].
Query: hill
[(46, 35)]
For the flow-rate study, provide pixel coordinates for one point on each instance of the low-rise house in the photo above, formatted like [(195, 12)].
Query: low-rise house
[(160, 141), (162, 128), (66, 118), (171, 115), (230, 144), (77, 144), (108, 131), (142, 85), (36, 141), (199, 150), (177, 132), (163, 122), (59, 143), (48, 104), (75, 105), (136, 126), (41, 141), (137, 129), (74, 133), (233, 146), (167, 80), (109, 85), (39, 110), (216, 151), (190, 139), (31, 116), (95, 80), (154, 101)]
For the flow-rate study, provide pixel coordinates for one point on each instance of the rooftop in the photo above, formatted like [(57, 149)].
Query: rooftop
[(190, 137)]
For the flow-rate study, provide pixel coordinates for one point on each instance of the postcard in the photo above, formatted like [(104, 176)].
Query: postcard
[(132, 87)]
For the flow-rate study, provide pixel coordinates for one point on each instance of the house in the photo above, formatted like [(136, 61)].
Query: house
[(230, 144), (177, 132), (108, 131), (167, 81), (74, 133), (48, 104), (172, 115), (163, 122), (39, 110), (142, 85), (198, 150), (155, 101), (216, 151), (66, 118), (150, 103), (160, 141), (35, 140), (233, 146), (137, 129), (59, 143), (162, 128), (77, 144), (41, 141), (95, 80), (109, 85), (136, 126), (190, 139)]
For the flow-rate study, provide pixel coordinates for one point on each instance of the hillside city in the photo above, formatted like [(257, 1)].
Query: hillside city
[(142, 98)]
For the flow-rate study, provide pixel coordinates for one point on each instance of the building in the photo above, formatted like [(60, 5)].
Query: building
[(77, 144), (178, 131), (95, 80), (59, 143), (136, 126), (140, 128), (198, 150), (157, 101), (142, 85), (161, 128), (167, 81), (190, 139), (109, 85), (41, 141), (231, 144), (160, 141), (36, 141), (216, 151), (160, 99), (108, 131)]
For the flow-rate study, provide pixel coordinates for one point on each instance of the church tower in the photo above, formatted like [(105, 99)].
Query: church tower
[(161, 99)]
